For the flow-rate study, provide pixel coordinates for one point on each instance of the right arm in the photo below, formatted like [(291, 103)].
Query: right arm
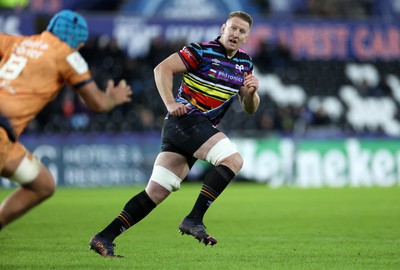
[(103, 101), (75, 70), (163, 75)]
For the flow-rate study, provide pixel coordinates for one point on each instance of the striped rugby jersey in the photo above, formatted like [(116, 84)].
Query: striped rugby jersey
[(33, 70), (212, 80)]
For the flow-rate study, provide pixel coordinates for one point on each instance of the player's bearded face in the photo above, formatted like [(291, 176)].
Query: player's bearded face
[(234, 34)]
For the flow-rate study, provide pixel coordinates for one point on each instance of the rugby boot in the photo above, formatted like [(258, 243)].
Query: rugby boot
[(103, 246), (197, 229)]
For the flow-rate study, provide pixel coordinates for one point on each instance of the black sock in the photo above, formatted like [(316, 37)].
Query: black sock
[(1, 226), (135, 210), (215, 182)]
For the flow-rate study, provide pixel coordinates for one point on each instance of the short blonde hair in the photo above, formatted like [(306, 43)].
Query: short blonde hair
[(242, 15)]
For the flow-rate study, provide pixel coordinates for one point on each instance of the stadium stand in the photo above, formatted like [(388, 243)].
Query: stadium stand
[(311, 97)]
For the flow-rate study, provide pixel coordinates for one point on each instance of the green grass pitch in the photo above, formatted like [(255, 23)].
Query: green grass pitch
[(257, 228)]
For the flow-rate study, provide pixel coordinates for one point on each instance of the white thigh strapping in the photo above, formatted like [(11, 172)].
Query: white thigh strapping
[(165, 178), (27, 170), (222, 149)]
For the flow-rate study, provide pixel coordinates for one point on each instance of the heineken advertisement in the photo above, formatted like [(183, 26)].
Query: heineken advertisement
[(321, 163), (106, 160)]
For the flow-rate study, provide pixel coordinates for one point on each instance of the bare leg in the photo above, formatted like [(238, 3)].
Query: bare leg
[(173, 162), (216, 180), (156, 192), (140, 205), (5, 145), (26, 197)]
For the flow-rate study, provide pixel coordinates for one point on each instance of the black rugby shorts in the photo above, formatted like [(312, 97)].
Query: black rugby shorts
[(185, 134)]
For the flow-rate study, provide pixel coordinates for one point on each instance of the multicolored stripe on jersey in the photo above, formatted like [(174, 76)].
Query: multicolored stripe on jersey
[(212, 79)]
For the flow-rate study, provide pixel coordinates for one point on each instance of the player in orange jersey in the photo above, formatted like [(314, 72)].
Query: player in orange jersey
[(33, 69)]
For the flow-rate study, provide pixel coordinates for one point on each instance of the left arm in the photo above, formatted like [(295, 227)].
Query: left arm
[(248, 96)]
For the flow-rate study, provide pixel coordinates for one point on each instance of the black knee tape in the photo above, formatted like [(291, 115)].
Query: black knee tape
[(219, 172), (226, 173)]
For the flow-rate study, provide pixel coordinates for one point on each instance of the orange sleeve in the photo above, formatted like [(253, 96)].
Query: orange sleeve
[(36, 69), (75, 70)]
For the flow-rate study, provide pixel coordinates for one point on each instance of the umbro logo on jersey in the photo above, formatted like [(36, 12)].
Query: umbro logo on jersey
[(216, 61)]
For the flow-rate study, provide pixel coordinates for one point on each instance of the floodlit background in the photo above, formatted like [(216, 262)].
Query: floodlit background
[(329, 117), (329, 85)]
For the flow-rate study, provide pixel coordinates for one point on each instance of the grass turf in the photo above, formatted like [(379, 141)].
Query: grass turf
[(257, 228)]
